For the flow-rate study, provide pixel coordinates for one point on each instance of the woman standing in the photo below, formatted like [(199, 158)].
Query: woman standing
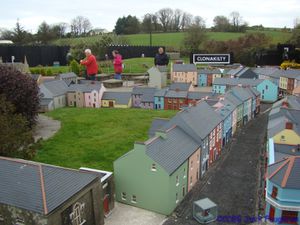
[(118, 67)]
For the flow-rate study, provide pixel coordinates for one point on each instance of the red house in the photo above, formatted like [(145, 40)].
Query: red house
[(175, 100), (215, 143)]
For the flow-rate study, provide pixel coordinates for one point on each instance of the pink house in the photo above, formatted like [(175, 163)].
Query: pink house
[(194, 169), (185, 73), (85, 95)]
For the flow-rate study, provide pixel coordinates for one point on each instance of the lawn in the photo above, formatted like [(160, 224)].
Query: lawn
[(96, 137), (174, 40)]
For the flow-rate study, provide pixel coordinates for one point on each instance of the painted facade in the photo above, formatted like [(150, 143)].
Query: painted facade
[(194, 169)]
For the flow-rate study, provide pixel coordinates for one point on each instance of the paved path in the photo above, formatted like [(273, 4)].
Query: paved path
[(129, 215), (232, 182), (46, 127)]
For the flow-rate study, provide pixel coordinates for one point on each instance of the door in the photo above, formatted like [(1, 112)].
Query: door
[(272, 213), (106, 204), (111, 104), (183, 191)]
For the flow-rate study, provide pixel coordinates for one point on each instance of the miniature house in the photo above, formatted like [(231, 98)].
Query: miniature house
[(205, 211)]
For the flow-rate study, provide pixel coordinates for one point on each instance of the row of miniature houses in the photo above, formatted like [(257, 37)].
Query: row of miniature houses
[(158, 173), (282, 186)]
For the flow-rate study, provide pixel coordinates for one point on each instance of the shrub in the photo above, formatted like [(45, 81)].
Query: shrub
[(15, 134), (75, 67), (49, 72), (43, 71), (21, 91)]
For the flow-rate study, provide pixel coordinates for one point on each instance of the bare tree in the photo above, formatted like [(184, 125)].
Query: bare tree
[(80, 25), (297, 23), (199, 21), (186, 20), (221, 23), (177, 19), (236, 19), (165, 17)]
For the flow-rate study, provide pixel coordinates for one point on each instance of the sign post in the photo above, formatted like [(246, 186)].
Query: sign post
[(211, 59)]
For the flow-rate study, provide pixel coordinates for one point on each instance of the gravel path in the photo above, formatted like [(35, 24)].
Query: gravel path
[(232, 182), (46, 128)]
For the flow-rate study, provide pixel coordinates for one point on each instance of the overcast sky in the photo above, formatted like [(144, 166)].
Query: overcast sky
[(103, 14)]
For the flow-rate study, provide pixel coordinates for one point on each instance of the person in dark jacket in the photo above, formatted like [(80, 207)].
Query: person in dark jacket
[(161, 58)]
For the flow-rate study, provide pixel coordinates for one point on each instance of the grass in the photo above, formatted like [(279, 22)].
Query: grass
[(174, 40), (96, 137)]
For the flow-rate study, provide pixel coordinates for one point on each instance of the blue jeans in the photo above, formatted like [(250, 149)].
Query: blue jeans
[(118, 76)]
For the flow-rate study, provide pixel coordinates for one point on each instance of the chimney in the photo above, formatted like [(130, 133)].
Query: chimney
[(285, 104), (289, 125)]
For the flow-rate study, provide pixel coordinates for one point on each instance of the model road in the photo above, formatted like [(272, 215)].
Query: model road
[(232, 182)]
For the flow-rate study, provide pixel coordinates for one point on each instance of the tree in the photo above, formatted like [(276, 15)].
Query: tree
[(165, 17), (221, 24), (21, 36), (186, 20), (80, 26), (147, 24), (194, 37), (127, 25), (59, 30), (237, 23), (22, 91), (297, 23), (15, 134), (177, 19), (295, 39), (44, 34), (199, 21), (7, 35)]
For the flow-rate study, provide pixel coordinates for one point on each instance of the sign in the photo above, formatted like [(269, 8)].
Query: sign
[(211, 58)]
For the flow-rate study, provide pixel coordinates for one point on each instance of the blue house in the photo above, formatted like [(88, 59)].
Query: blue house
[(283, 191), (159, 97), (206, 77), (202, 79), (267, 89)]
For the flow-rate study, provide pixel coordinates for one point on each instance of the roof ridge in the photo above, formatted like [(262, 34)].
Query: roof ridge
[(279, 168), (43, 189), (291, 161)]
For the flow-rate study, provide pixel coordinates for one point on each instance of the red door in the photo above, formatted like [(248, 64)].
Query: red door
[(272, 213), (106, 204)]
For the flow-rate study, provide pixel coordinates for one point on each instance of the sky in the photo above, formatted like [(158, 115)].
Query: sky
[(104, 14)]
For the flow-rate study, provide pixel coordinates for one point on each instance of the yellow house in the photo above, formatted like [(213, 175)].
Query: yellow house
[(116, 100), (287, 137), (283, 83)]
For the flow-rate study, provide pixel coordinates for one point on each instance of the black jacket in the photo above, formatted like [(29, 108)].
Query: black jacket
[(161, 59)]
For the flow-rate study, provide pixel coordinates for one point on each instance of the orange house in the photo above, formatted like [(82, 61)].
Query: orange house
[(186, 73)]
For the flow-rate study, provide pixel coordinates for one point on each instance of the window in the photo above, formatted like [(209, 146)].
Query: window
[(267, 87), (95, 94), (184, 173), (169, 100), (263, 91), (177, 180), (191, 180), (77, 214), (177, 198), (282, 138), (183, 192), (74, 96), (191, 164), (124, 196), (289, 217), (153, 167), (89, 97), (133, 198), (274, 192)]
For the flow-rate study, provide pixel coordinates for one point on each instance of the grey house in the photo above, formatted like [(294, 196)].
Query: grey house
[(241, 72), (54, 91), (33, 193), (69, 78)]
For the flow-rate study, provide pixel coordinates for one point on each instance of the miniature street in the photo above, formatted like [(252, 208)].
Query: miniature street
[(233, 180)]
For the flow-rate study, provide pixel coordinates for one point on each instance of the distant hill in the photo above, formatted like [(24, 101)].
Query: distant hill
[(174, 39)]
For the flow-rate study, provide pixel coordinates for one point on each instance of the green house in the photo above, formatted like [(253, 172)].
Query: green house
[(155, 174)]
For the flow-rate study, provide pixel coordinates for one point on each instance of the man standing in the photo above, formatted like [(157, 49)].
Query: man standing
[(91, 65), (161, 58)]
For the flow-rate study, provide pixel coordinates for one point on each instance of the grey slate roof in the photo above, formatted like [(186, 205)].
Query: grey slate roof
[(279, 173), (291, 73), (56, 87), (121, 98), (176, 94), (84, 87), (84, 81), (265, 71), (232, 98), (180, 86), (233, 72), (161, 92), (207, 71), (246, 73), (241, 93), (143, 90), (287, 149), (184, 68), (278, 120), (196, 95), (236, 81), (66, 75), (45, 101), (156, 125), (171, 152), (197, 121), (21, 184)]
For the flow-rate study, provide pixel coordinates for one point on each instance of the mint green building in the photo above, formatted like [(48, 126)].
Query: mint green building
[(154, 175)]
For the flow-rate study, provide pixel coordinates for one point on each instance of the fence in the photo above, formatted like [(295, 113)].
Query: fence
[(35, 54), (129, 51)]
